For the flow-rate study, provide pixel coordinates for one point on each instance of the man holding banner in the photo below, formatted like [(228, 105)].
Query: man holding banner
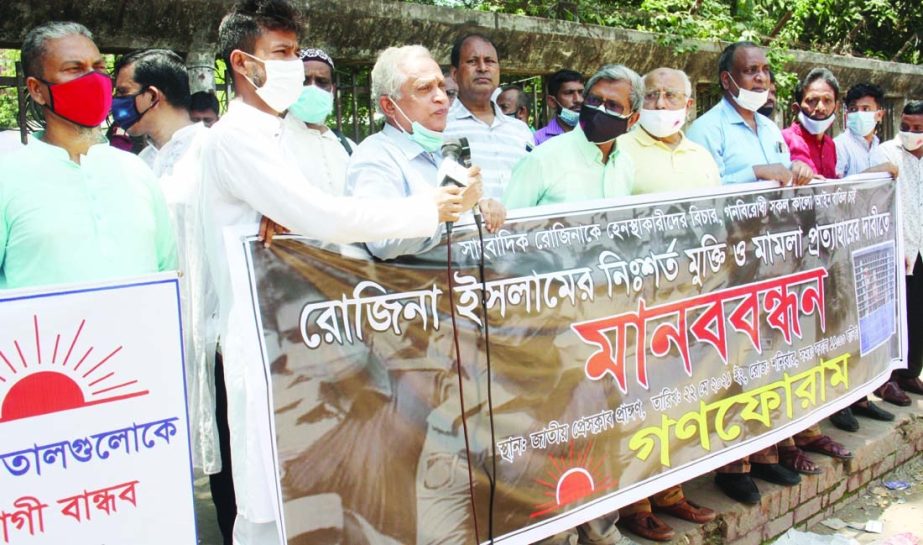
[(246, 176), (584, 164), (664, 156), (74, 208)]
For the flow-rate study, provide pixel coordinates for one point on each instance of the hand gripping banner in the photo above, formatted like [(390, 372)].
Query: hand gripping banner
[(633, 345)]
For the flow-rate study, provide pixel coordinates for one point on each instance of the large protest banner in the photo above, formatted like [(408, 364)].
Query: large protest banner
[(94, 435), (632, 345)]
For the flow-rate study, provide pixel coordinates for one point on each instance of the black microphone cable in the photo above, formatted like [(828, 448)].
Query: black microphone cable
[(461, 391), (492, 474)]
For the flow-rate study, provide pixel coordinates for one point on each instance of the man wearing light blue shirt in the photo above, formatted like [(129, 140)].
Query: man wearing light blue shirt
[(403, 159), (746, 145)]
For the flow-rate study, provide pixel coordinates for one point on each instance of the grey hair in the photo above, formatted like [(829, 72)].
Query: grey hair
[(687, 84), (618, 72), (388, 74), (34, 45)]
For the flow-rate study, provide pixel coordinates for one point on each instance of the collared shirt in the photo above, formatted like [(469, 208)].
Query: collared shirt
[(495, 148), (853, 153), (567, 169), (910, 188), (320, 155), (162, 160), (734, 146), (552, 129), (63, 222), (804, 146), (660, 168), (245, 175), (387, 164)]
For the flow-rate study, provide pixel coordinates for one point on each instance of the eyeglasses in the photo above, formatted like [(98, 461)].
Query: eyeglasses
[(672, 97), (610, 106)]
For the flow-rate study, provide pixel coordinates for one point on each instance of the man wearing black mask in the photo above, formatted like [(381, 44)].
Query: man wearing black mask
[(568, 168)]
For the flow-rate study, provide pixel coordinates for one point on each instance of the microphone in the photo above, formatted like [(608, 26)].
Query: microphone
[(456, 159)]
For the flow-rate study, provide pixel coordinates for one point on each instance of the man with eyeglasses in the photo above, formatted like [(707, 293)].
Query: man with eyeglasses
[(665, 160), (746, 145), (569, 168)]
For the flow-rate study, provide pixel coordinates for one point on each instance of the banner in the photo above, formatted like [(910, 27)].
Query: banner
[(632, 345), (94, 435)]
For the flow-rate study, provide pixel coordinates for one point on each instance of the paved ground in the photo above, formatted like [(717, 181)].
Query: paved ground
[(900, 511), (206, 524)]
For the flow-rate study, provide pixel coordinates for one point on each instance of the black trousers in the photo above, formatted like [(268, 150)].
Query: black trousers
[(914, 323), (222, 483)]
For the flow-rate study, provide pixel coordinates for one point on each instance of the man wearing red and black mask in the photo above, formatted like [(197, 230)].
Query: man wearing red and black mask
[(75, 209)]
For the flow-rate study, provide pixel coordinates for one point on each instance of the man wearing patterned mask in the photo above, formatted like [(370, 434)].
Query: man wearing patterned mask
[(568, 168), (817, 99), (665, 160), (320, 152), (74, 208), (906, 151), (747, 146)]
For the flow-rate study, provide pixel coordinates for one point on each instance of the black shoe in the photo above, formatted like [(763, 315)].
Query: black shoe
[(739, 487), (844, 420), (775, 473), (872, 411)]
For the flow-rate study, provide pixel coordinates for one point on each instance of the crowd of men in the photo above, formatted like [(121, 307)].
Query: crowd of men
[(74, 208)]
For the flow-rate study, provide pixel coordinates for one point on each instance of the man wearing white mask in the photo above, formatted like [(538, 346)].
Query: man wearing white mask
[(816, 101), (665, 160), (906, 151), (245, 175), (746, 145), (854, 147), (320, 152)]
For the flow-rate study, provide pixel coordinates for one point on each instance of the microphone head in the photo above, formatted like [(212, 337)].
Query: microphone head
[(452, 148)]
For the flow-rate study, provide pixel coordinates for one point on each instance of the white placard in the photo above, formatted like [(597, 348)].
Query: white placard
[(94, 433)]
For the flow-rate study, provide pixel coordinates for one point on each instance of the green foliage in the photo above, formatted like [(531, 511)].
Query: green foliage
[(8, 103)]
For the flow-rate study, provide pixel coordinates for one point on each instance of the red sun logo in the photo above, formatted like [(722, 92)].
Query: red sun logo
[(571, 480), (33, 386)]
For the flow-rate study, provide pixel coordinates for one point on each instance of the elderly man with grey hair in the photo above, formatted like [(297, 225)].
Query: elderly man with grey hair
[(569, 168), (403, 159)]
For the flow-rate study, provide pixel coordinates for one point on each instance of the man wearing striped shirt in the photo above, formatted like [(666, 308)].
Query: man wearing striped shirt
[(497, 141)]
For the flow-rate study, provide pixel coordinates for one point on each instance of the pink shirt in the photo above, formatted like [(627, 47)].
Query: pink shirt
[(804, 147)]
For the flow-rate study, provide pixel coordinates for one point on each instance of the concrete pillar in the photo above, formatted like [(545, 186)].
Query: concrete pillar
[(201, 66)]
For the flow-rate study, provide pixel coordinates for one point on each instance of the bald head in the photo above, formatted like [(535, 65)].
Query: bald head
[(667, 89)]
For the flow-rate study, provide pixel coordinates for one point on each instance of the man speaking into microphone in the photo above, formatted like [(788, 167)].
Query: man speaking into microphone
[(405, 157)]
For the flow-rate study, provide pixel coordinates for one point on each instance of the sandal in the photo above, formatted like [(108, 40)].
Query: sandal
[(795, 459), (826, 445)]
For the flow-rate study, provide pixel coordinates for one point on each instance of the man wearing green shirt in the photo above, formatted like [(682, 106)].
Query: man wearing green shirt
[(584, 164), (72, 208)]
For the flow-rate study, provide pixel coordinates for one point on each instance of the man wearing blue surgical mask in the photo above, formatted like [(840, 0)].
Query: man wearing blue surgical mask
[(319, 151), (565, 97), (854, 147)]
